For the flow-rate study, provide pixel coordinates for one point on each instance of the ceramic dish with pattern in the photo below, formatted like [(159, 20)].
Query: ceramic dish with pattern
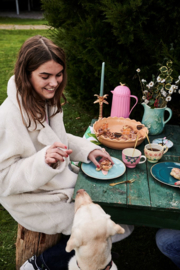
[(161, 172), (117, 170), (115, 125), (165, 141)]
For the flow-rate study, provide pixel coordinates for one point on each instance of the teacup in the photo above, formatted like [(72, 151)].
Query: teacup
[(154, 152), (131, 157)]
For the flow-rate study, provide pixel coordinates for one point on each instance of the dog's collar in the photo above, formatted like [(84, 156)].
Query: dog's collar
[(108, 266)]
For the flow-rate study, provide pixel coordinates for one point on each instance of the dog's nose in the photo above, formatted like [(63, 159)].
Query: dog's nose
[(80, 191)]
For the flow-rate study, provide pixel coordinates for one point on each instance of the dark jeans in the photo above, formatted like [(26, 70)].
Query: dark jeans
[(168, 241), (56, 257)]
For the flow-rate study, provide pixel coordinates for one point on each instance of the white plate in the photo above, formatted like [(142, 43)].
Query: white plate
[(167, 142), (117, 170)]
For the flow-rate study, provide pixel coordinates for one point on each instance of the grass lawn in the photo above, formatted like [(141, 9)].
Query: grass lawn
[(10, 43), (7, 20), (139, 251)]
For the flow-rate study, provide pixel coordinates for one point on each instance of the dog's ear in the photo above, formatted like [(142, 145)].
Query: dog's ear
[(73, 242), (114, 228)]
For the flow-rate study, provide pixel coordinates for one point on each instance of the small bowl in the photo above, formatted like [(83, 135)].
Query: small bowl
[(115, 125)]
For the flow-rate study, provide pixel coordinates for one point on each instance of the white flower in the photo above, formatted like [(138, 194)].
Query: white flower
[(179, 91), (164, 93), (145, 91), (168, 98), (162, 90), (138, 70), (171, 88), (176, 87), (143, 81), (158, 79), (175, 91), (143, 97), (171, 91), (179, 77), (146, 101), (147, 85), (177, 81), (151, 84)]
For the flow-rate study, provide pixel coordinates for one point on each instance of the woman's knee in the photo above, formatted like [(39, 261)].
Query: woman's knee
[(160, 238), (168, 240)]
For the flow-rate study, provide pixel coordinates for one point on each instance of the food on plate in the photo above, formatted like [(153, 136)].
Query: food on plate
[(175, 172), (125, 133), (105, 165)]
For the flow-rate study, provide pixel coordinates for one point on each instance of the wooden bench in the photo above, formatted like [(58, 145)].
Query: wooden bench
[(30, 243)]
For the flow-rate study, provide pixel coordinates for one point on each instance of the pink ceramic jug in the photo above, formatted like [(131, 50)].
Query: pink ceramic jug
[(121, 102)]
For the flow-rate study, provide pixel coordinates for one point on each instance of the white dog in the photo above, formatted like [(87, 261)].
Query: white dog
[(91, 236)]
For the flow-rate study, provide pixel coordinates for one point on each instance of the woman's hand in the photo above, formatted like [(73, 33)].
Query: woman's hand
[(55, 153), (177, 183), (99, 153)]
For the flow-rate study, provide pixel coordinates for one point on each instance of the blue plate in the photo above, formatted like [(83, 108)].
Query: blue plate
[(117, 170), (167, 142), (161, 172)]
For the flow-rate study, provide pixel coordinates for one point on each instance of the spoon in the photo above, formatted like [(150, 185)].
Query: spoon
[(122, 182), (135, 145), (149, 141)]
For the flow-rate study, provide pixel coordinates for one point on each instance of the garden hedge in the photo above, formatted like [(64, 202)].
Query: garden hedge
[(126, 35)]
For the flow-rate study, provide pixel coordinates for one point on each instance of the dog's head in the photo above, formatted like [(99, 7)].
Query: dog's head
[(82, 198), (91, 234)]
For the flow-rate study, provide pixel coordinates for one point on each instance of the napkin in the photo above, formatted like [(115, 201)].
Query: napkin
[(88, 135)]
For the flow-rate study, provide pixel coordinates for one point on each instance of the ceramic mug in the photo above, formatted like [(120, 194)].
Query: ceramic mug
[(131, 157), (154, 152)]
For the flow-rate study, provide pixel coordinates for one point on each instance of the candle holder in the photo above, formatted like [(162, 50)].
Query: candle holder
[(101, 100)]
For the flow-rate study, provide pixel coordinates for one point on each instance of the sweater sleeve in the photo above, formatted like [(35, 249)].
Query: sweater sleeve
[(26, 174), (81, 148), (22, 168)]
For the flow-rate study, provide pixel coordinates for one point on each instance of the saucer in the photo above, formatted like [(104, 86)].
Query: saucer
[(167, 142)]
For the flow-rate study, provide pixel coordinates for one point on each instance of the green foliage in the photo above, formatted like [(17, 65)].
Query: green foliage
[(159, 91), (123, 34), (97, 142)]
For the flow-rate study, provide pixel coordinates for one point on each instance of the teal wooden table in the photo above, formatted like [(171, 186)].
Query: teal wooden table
[(146, 201)]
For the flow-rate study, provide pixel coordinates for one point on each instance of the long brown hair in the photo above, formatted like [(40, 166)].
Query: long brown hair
[(34, 52)]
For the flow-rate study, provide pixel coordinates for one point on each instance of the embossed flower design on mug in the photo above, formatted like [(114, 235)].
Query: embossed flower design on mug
[(154, 152), (131, 157)]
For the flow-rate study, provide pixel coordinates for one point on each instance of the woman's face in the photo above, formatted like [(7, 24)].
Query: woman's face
[(46, 79)]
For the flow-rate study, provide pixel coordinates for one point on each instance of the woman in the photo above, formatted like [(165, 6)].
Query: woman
[(36, 176)]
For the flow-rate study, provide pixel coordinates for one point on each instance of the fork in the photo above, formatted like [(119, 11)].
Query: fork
[(122, 182)]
